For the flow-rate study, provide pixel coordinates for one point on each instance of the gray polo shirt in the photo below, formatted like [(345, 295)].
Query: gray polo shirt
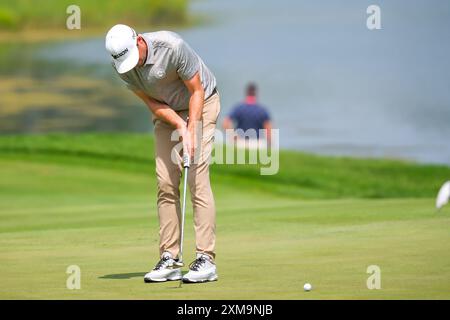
[(170, 60)]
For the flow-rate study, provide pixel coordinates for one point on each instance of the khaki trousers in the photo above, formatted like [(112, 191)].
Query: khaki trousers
[(169, 176)]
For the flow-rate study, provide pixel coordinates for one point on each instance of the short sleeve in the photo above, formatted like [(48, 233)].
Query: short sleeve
[(187, 62)]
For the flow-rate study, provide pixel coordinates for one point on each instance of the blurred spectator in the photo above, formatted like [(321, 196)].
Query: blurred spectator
[(249, 115)]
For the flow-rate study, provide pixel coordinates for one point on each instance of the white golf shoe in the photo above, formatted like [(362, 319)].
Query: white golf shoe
[(165, 270), (201, 269)]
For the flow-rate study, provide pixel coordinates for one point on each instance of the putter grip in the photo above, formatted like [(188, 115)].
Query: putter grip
[(186, 160)]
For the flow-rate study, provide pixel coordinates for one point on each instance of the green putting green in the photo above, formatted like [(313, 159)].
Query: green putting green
[(90, 201)]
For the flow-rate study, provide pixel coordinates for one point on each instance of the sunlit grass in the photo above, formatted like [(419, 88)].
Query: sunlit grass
[(90, 200)]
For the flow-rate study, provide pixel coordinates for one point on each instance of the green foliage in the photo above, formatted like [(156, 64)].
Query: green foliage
[(42, 14), (8, 19)]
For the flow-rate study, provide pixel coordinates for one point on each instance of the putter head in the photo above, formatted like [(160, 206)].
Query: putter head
[(178, 264)]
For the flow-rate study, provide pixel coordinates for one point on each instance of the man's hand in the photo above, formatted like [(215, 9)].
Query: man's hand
[(186, 137)]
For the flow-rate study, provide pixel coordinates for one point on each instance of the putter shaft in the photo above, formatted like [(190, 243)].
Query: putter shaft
[(183, 211)]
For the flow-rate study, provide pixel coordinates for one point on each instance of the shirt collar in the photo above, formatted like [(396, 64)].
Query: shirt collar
[(150, 51)]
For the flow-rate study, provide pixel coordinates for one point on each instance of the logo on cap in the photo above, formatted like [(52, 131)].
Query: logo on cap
[(116, 56)]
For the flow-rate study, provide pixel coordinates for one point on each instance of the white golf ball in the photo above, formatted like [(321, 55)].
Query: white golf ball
[(307, 287)]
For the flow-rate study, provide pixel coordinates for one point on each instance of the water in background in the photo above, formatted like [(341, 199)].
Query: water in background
[(332, 86)]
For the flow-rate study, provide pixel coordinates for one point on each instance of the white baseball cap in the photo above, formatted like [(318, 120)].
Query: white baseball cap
[(121, 43)]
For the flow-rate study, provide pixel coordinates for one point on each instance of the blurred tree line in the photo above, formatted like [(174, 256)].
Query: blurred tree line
[(46, 14)]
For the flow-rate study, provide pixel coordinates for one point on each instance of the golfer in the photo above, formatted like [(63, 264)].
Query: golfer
[(180, 91)]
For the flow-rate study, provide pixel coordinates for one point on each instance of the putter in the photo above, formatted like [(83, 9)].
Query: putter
[(186, 165)]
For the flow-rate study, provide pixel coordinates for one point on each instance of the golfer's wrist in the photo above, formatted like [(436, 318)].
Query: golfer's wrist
[(191, 125), (180, 124)]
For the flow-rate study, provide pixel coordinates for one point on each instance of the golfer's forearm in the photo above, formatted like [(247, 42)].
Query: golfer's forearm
[(196, 107), (162, 111), (169, 116), (196, 100)]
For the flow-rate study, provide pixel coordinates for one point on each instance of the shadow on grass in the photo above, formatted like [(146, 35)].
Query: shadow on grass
[(177, 283), (123, 275)]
